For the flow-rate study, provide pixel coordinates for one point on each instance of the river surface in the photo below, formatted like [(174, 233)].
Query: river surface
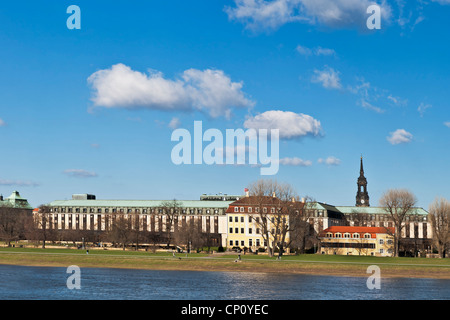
[(51, 283)]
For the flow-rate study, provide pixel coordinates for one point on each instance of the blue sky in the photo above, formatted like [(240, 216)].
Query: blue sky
[(380, 93)]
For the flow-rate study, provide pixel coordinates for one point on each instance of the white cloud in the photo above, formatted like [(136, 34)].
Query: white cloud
[(324, 51), (369, 106), (397, 100), (291, 125), (304, 50), (174, 123), (422, 108), (400, 136), (2, 123), (295, 162), (318, 51), (80, 173), (264, 14), (328, 77), (331, 161), (447, 124), (20, 183), (209, 90)]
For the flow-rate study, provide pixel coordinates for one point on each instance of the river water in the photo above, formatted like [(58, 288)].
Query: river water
[(50, 283)]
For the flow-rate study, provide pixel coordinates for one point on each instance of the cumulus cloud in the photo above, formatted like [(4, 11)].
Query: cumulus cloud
[(2, 123), (399, 136), (207, 90), (328, 77), (295, 162), (331, 161), (291, 125), (265, 14), (447, 124), (79, 173)]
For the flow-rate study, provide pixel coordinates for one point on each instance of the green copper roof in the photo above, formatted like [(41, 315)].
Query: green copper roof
[(16, 201), (354, 209), (138, 203), (375, 210)]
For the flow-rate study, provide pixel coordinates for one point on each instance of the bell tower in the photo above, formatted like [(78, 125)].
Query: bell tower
[(362, 196)]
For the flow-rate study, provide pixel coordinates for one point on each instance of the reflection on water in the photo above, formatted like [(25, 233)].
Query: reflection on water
[(110, 284)]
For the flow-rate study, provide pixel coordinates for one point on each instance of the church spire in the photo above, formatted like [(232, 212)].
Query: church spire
[(361, 170), (362, 196)]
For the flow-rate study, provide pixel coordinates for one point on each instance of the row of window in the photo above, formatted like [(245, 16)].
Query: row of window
[(241, 243), (128, 210), (251, 218), (348, 235), (250, 230)]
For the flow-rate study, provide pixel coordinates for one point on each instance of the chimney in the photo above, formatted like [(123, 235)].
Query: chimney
[(303, 200), (246, 192), (273, 194), (293, 199)]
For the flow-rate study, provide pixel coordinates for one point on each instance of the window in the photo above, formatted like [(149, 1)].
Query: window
[(231, 230), (329, 235), (381, 250), (257, 230), (241, 209), (236, 242), (216, 211), (236, 219), (250, 242), (338, 235), (356, 235), (264, 210), (231, 219), (381, 241), (249, 218), (236, 230), (346, 235), (242, 219), (250, 230), (231, 242), (207, 211), (236, 209), (84, 210), (258, 243), (106, 210), (242, 230), (242, 243), (249, 209)]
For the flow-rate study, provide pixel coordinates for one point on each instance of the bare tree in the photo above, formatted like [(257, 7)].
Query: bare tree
[(440, 221), (12, 223), (119, 231), (278, 211), (397, 203), (171, 209)]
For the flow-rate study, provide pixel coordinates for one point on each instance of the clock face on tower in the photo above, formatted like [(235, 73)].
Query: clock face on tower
[(362, 201)]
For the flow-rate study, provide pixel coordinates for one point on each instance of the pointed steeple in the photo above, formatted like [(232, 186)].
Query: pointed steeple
[(361, 170), (362, 196)]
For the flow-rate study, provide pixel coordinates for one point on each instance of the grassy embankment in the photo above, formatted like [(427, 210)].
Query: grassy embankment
[(306, 264)]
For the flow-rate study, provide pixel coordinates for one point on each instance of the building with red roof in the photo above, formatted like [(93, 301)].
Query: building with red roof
[(349, 240)]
